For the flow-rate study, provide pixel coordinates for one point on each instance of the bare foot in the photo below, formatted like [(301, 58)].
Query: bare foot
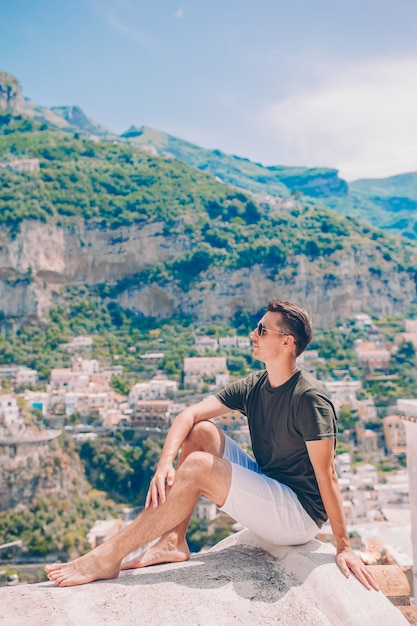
[(167, 550), (89, 567)]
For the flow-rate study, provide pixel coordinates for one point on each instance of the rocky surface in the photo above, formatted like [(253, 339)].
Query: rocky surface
[(243, 580), (41, 258), (78, 121), (11, 96), (37, 465)]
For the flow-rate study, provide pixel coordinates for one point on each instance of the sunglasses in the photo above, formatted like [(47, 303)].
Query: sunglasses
[(261, 329)]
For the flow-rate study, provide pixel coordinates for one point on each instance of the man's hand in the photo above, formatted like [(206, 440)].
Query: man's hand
[(348, 562), (160, 485)]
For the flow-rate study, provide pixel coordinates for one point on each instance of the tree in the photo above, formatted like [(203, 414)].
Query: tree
[(347, 417)]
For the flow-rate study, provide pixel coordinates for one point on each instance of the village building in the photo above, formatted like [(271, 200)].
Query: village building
[(158, 388), (83, 390), (78, 344), (363, 320), (205, 370), (9, 411), (150, 414), (85, 366), (343, 392), (206, 343), (367, 410), (231, 342), (88, 404), (23, 165), (206, 510), (394, 434), (18, 375), (372, 354), (152, 358), (174, 409), (68, 380), (103, 530), (25, 376), (37, 400)]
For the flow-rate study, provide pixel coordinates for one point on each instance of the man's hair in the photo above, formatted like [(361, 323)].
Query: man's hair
[(295, 321)]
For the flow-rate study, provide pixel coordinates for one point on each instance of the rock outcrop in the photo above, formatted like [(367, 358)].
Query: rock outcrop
[(243, 580), (11, 96), (34, 463), (79, 122)]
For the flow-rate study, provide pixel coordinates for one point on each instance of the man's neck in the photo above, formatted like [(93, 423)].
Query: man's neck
[(279, 373)]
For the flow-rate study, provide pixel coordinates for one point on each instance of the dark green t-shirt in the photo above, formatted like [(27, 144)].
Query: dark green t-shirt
[(281, 420)]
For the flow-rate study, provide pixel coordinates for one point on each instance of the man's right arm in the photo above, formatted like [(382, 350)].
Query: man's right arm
[(164, 476)]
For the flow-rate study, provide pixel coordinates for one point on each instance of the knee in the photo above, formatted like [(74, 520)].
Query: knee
[(202, 436), (196, 464)]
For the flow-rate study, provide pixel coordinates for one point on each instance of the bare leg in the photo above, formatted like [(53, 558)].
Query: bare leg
[(201, 473), (172, 547)]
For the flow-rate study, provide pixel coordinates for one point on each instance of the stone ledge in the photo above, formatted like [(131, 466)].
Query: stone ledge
[(241, 581), (394, 585)]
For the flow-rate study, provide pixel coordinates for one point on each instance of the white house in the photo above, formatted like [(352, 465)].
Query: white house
[(9, 410)]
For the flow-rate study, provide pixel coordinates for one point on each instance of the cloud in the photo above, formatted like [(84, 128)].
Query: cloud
[(119, 16), (179, 13), (360, 118)]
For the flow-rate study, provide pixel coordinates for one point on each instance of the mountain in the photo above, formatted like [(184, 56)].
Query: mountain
[(160, 238), (389, 203), (276, 180), (69, 118)]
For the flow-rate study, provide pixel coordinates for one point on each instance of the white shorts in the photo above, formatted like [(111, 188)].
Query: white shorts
[(264, 505)]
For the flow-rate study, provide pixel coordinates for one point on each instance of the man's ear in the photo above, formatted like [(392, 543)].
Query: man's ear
[(289, 341)]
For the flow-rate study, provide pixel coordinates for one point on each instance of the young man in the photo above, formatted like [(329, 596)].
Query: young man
[(284, 496)]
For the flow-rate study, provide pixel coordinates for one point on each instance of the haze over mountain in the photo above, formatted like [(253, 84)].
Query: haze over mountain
[(161, 237)]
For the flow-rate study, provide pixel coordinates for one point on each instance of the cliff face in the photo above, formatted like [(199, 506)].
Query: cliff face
[(34, 465), (42, 258), (225, 292)]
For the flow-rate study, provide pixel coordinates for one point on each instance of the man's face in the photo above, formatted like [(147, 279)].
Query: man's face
[(268, 345)]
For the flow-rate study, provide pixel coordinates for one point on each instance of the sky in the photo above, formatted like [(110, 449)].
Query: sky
[(323, 83)]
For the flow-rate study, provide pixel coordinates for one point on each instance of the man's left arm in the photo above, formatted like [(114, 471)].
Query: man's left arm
[(321, 455)]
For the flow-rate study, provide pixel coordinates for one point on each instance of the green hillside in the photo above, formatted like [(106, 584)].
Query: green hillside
[(388, 203), (205, 229), (111, 185), (275, 181), (107, 183)]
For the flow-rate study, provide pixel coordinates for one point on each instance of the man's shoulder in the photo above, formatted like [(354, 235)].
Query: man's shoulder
[(242, 385), (307, 383), (252, 379), (256, 375)]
